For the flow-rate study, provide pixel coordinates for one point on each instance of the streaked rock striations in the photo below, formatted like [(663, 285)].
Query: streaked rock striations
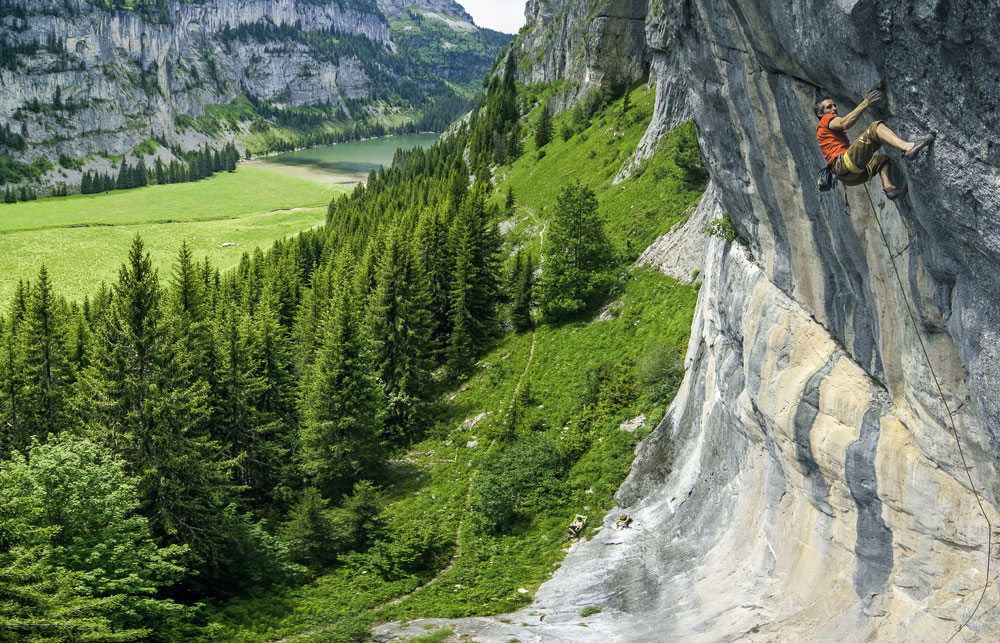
[(805, 484), (586, 44)]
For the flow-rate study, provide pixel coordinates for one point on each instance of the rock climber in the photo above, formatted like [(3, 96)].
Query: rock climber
[(857, 163)]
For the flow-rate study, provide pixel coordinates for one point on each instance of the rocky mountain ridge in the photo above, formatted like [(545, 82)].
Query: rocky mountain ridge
[(78, 80), (829, 468), (582, 45)]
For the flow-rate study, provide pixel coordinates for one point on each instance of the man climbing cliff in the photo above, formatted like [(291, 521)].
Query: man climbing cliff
[(857, 163)]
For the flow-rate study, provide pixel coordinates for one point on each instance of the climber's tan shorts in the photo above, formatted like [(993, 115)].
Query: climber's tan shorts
[(863, 163)]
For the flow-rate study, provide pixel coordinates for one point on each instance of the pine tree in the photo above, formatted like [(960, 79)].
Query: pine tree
[(237, 422), (514, 145), (433, 250), (46, 369), (578, 255), (142, 400), (158, 172), (343, 404), (543, 132), (524, 277), (401, 325), (12, 402), (124, 176)]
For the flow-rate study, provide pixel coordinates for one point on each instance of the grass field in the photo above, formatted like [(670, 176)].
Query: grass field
[(83, 239)]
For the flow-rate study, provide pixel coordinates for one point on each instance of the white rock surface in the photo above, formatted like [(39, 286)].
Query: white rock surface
[(680, 252)]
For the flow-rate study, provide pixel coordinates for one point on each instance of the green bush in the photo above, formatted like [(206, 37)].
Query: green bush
[(723, 228), (527, 475), (414, 548), (660, 371)]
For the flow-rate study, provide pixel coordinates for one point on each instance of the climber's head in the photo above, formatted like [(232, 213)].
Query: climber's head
[(825, 106)]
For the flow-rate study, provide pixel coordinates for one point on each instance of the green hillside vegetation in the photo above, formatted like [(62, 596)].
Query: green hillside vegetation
[(82, 238), (458, 55), (345, 429), (473, 514)]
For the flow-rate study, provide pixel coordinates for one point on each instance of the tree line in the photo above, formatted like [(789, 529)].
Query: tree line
[(166, 443)]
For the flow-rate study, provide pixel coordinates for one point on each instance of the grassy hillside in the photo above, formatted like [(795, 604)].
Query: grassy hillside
[(561, 453), (83, 239)]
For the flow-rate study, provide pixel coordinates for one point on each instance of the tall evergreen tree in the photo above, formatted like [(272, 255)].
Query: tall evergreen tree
[(433, 249), (524, 277), (13, 435), (343, 405), (577, 255), (141, 399), (401, 324), (543, 132), (45, 367)]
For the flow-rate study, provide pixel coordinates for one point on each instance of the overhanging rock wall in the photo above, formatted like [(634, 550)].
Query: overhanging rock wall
[(805, 485)]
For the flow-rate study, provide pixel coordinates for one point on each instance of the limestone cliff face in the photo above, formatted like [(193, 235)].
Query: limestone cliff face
[(805, 484), (586, 44), (123, 79), (101, 82)]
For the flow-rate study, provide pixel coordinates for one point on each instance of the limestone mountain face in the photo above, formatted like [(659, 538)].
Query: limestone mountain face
[(806, 484), (79, 80), (586, 44)]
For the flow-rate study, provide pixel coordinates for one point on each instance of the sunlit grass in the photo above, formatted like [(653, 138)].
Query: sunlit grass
[(83, 239)]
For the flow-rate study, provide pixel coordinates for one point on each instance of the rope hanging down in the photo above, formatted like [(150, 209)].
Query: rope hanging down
[(951, 418)]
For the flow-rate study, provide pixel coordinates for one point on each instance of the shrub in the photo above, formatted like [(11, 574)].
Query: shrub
[(526, 475), (660, 371), (723, 228)]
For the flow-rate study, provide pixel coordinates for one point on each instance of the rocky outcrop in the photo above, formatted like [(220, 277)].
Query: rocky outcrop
[(807, 484), (585, 44), (448, 8), (680, 252)]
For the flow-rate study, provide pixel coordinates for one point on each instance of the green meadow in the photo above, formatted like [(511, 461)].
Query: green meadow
[(83, 239)]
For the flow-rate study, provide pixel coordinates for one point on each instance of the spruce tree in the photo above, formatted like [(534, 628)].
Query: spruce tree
[(142, 400), (577, 255), (524, 277), (45, 367), (343, 404), (12, 402), (543, 132), (433, 250), (401, 325), (124, 176)]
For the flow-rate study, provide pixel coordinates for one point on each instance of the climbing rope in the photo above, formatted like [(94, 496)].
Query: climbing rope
[(951, 418)]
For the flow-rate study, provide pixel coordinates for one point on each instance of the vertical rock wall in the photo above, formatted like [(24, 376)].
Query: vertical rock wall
[(583, 45), (817, 491), (805, 484)]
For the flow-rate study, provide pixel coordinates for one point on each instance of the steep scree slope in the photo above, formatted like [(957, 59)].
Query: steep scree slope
[(805, 484)]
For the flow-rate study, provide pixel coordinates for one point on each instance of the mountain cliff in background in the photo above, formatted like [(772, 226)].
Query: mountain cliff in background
[(580, 46), (82, 81), (829, 468)]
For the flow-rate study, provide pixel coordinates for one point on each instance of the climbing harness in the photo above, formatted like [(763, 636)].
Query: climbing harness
[(851, 166), (951, 418)]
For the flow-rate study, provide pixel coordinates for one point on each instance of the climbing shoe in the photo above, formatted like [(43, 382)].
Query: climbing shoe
[(895, 193), (924, 142)]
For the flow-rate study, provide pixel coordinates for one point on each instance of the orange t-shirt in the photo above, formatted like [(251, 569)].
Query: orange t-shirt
[(832, 142)]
